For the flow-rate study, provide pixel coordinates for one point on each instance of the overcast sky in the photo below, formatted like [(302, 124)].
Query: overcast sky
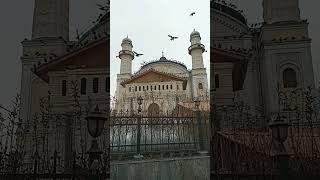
[(148, 24), (147, 27)]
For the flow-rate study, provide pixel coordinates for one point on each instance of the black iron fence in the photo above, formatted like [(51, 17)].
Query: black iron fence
[(158, 136), (242, 143), (51, 176), (15, 168)]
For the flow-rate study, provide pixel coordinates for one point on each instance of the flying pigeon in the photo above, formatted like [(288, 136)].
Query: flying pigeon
[(172, 37), (137, 54)]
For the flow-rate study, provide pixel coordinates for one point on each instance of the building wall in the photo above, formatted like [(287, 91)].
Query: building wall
[(165, 98), (62, 102), (224, 94), (287, 51)]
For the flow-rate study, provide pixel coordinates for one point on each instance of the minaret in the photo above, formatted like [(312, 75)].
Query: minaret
[(281, 10), (196, 49), (286, 48), (51, 19), (126, 56), (50, 34), (199, 79)]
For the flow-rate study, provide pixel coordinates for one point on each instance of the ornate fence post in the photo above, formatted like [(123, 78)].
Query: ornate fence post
[(200, 128), (138, 155)]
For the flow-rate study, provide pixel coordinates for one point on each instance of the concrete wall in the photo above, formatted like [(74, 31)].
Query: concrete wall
[(191, 168)]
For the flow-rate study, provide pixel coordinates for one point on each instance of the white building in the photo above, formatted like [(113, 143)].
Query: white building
[(249, 63), (162, 83)]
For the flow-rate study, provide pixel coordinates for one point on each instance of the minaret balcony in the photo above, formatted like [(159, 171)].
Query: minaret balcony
[(196, 46), (126, 52)]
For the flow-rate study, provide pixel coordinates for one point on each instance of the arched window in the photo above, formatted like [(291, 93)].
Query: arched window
[(95, 85), (200, 86), (216, 81), (289, 78), (83, 89), (64, 88)]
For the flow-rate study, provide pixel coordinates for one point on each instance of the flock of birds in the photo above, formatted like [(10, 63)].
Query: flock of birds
[(171, 38)]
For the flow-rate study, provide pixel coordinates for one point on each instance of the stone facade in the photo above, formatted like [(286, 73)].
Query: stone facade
[(253, 63)]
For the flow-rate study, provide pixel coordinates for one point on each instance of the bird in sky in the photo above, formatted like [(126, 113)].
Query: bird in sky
[(137, 54), (193, 13), (172, 37)]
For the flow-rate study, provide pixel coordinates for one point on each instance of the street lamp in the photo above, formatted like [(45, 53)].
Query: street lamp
[(197, 103), (139, 100), (139, 156), (95, 124), (279, 129)]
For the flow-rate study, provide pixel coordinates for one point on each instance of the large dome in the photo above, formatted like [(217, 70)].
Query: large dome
[(229, 10), (99, 29), (165, 65)]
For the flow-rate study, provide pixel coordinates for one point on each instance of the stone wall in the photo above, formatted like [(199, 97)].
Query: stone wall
[(191, 168)]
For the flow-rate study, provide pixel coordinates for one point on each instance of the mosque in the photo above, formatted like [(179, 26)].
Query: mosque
[(164, 84)]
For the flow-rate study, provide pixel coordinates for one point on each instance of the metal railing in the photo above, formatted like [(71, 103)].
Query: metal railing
[(164, 135), (242, 143)]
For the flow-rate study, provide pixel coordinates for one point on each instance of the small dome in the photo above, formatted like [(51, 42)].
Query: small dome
[(194, 33), (163, 58), (127, 40)]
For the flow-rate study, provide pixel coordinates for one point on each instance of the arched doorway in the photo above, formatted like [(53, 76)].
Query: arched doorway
[(153, 110)]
